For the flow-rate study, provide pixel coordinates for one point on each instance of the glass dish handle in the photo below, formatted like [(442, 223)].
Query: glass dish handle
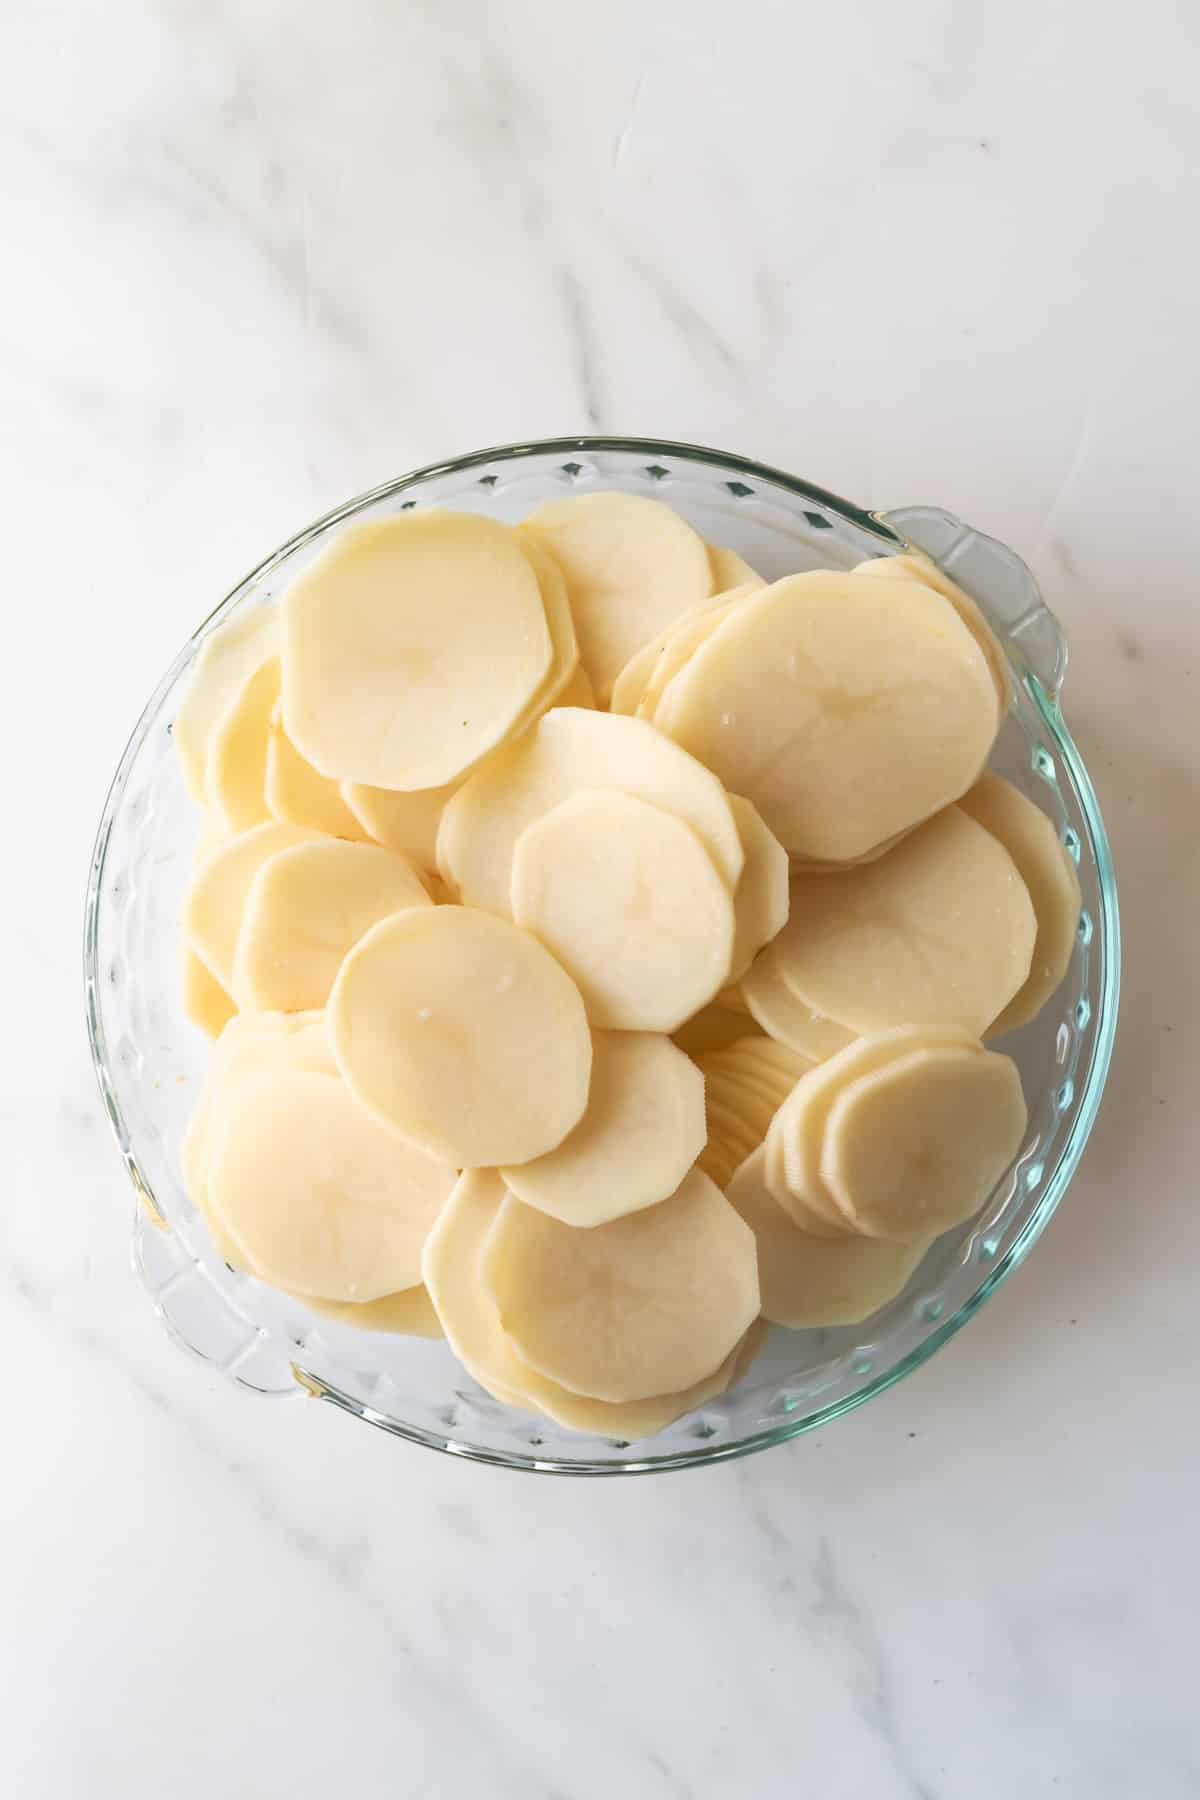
[(997, 578)]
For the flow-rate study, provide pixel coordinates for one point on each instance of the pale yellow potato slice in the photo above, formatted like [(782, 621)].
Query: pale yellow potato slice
[(212, 834), (410, 1312), (225, 661), (236, 770), (294, 790), (753, 1086), (629, 901), (810, 1282), (761, 898), (411, 648), (795, 1139), (453, 1266), (631, 682), (569, 750), (713, 1028), (915, 566), (1046, 868), (214, 903), (631, 565), (464, 1035), (306, 909), (205, 1001), (917, 1146), (680, 645), (729, 570), (318, 1195), (783, 1015), (647, 1304), (844, 709), (407, 823), (941, 930), (642, 1131)]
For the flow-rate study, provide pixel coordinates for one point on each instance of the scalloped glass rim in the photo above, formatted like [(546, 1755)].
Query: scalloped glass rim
[(1086, 1102)]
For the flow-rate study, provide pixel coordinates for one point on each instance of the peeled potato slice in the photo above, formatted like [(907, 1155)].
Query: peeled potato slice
[(409, 1312), (917, 567), (729, 570), (749, 1085), (631, 566), (204, 999), (214, 903), (810, 1282), (319, 1196), (680, 642), (411, 647), (918, 1146), (940, 930), (630, 683), (629, 901), (647, 1304), (570, 750), (453, 1265), (713, 1028), (1048, 872), (306, 909), (230, 655), (235, 775), (641, 1133), (843, 709), (784, 1016), (407, 823), (294, 790), (761, 899), (464, 1035)]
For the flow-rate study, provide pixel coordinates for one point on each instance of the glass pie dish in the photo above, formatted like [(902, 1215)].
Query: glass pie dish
[(150, 1060)]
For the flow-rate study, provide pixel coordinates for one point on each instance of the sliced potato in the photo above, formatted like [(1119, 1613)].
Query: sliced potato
[(729, 570), (578, 691), (843, 709), (306, 909), (810, 1282), (411, 648), (761, 898), (647, 1304), (642, 1131), (679, 643), (713, 1028), (1050, 875), (940, 930), (784, 1016), (407, 823), (226, 659), (915, 566), (318, 1195), (294, 790), (631, 565), (236, 770), (453, 1265), (464, 1035), (205, 1001), (917, 1146), (213, 906), (629, 684), (571, 749), (750, 1085), (410, 1312), (629, 901)]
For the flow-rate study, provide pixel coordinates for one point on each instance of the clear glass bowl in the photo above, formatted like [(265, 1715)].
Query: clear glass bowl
[(150, 1060)]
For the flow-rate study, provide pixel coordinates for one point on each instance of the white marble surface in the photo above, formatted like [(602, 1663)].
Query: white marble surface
[(258, 257)]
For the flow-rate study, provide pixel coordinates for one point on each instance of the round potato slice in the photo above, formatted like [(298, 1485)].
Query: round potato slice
[(629, 901), (226, 659), (729, 570), (1049, 874), (570, 750), (810, 1282), (941, 930), (319, 1196), (407, 823), (306, 909), (411, 648), (844, 709), (713, 1028), (213, 906), (631, 565), (918, 1146), (642, 1131), (761, 898), (916, 567), (630, 683), (464, 1035), (453, 1265), (294, 790), (236, 770), (648, 1304), (796, 1136), (678, 645), (784, 1016), (410, 1312), (204, 999)]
